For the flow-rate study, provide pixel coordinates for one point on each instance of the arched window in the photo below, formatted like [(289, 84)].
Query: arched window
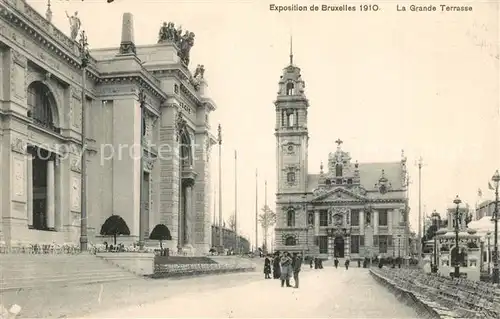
[(290, 88), (291, 119), (290, 241), (290, 217), (338, 170), (290, 177), (41, 104)]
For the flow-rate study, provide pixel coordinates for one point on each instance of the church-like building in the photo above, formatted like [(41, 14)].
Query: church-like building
[(350, 209), (44, 86)]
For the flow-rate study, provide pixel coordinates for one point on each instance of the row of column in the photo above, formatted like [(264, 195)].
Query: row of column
[(50, 209)]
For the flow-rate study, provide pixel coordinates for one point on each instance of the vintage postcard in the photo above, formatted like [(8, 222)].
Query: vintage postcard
[(249, 159)]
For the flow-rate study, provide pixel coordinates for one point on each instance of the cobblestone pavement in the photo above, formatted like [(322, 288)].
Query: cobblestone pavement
[(327, 293)]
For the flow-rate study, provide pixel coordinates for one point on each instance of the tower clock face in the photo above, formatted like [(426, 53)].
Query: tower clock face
[(290, 148)]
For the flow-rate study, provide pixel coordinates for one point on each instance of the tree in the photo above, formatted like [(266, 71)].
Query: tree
[(232, 222), (267, 220), (114, 226), (160, 232)]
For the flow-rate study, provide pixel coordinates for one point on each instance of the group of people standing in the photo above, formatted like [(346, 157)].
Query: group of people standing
[(283, 266)]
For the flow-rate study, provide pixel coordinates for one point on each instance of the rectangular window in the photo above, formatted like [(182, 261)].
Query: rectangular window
[(383, 217), (323, 244), (323, 218), (355, 244), (382, 244), (361, 240), (354, 217)]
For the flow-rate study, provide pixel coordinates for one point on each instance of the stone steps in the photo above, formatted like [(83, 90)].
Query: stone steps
[(30, 271)]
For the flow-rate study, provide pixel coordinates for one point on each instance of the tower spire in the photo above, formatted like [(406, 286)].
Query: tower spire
[(291, 50)]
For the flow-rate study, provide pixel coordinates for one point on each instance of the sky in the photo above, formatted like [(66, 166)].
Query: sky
[(425, 82)]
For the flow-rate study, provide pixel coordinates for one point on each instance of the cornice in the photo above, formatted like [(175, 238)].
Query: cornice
[(28, 20), (24, 18), (137, 77)]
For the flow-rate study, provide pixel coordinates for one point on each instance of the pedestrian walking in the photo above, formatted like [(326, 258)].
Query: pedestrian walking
[(286, 269), (346, 264), (276, 266), (267, 268), (336, 262), (297, 264)]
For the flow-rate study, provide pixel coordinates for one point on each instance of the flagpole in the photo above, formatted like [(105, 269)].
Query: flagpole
[(236, 201), (221, 231), (256, 211), (215, 202), (265, 212)]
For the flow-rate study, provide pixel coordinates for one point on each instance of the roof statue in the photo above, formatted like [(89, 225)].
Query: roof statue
[(74, 24), (169, 33), (199, 72)]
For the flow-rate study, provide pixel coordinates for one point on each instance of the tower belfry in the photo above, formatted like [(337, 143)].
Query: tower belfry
[(291, 129)]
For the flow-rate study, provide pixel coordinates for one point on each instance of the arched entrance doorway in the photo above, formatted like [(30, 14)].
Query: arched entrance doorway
[(338, 247)]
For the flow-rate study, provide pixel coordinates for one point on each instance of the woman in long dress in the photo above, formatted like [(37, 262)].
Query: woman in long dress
[(267, 268), (286, 269), (276, 266)]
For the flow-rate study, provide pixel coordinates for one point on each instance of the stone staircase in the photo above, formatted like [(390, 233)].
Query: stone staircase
[(24, 271)]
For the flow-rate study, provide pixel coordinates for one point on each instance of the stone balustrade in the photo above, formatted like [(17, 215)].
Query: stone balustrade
[(447, 297)]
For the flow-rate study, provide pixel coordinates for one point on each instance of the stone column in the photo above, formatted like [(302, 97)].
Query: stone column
[(29, 186), (316, 223), (50, 212), (361, 222), (390, 214), (188, 210), (347, 246), (375, 222), (331, 249)]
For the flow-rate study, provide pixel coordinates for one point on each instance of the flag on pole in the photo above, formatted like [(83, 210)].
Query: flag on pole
[(490, 187), (479, 192)]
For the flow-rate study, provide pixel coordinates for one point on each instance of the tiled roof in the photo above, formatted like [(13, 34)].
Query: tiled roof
[(369, 174)]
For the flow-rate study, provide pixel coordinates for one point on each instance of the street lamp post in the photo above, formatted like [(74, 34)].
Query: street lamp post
[(457, 202), (488, 254), (435, 221), (419, 243), (84, 56), (399, 251), (142, 103), (496, 274)]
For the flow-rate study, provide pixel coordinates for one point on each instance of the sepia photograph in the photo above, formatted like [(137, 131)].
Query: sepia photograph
[(249, 159)]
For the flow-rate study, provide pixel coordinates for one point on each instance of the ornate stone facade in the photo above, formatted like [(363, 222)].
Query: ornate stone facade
[(41, 114), (351, 210)]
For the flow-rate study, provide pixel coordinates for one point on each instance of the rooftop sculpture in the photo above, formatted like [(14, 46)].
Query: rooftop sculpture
[(169, 33)]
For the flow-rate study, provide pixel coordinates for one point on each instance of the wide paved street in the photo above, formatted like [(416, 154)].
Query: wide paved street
[(327, 293)]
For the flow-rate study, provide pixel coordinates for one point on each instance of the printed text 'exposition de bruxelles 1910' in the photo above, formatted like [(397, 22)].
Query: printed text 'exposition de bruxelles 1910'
[(368, 7)]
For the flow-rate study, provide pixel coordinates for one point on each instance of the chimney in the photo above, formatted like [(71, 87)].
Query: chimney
[(127, 45)]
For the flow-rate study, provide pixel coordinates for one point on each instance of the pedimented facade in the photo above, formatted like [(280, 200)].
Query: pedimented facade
[(349, 209), (41, 135)]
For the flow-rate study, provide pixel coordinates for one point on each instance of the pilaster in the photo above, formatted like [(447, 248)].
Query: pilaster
[(316, 223), (202, 222), (375, 222), (169, 169), (361, 222), (126, 161)]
